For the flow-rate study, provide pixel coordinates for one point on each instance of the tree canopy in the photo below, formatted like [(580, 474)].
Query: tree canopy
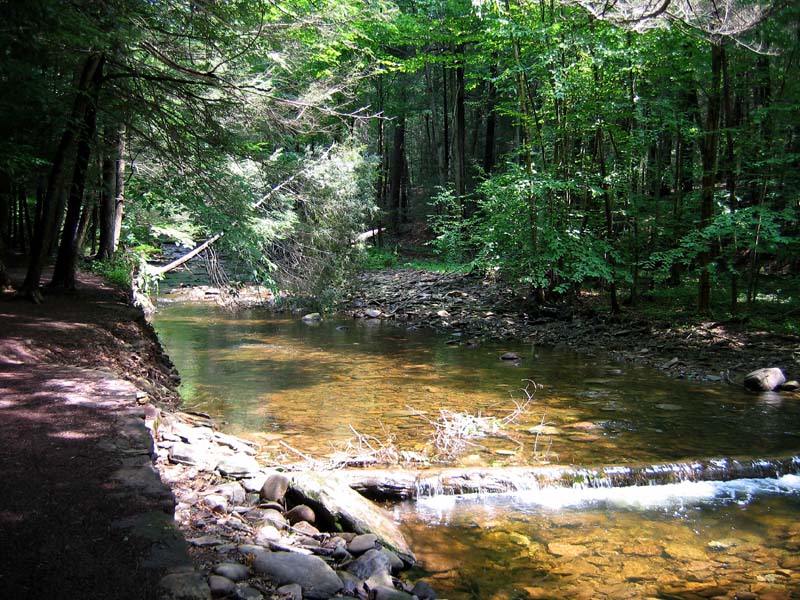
[(622, 145)]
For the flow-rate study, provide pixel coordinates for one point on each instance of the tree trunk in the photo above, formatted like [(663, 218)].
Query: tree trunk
[(445, 125), (491, 123), (66, 261), (108, 199), (460, 131), (45, 230), (396, 167), (708, 154), (119, 198)]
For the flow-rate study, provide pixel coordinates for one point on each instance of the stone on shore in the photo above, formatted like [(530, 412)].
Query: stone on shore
[(233, 571), (362, 543), (221, 586), (238, 466), (274, 488), (764, 380), (299, 513), (311, 573)]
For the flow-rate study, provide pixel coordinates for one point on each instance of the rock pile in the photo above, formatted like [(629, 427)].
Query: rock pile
[(264, 534)]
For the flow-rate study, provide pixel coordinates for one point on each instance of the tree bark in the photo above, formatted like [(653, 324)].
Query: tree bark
[(108, 199), (66, 261), (491, 123), (460, 131), (45, 230), (708, 154), (396, 167), (119, 198)]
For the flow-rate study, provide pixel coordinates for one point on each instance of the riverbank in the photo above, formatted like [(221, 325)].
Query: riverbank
[(475, 310), (114, 493)]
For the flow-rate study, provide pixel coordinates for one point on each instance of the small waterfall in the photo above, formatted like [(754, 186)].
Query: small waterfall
[(391, 484)]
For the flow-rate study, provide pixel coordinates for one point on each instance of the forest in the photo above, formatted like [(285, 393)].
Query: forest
[(631, 148)]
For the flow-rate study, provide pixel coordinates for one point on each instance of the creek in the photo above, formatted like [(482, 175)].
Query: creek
[(311, 386)]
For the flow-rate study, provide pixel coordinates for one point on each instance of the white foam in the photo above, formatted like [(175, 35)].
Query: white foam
[(650, 497)]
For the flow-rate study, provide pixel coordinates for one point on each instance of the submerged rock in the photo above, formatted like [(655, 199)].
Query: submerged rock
[(312, 317), (764, 380)]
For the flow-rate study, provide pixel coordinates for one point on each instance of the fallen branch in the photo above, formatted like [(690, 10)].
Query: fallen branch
[(156, 271)]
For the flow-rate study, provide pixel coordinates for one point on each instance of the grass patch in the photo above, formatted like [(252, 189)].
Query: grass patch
[(376, 259)]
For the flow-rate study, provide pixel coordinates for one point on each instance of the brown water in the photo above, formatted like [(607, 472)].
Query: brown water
[(278, 379)]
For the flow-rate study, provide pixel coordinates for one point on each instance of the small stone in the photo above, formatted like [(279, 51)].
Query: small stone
[(291, 591), (790, 386), (373, 566), (443, 314), (372, 313), (266, 534), (216, 502), (275, 487), (764, 380), (255, 483), (267, 515), (306, 528), (246, 592), (183, 586), (238, 465), (232, 491), (312, 317), (362, 543), (233, 571), (221, 586), (301, 512), (510, 356)]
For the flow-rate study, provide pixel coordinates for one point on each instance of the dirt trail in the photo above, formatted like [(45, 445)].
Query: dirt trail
[(83, 513)]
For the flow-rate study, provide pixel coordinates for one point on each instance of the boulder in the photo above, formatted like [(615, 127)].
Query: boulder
[(335, 502), (275, 487), (311, 573), (764, 380)]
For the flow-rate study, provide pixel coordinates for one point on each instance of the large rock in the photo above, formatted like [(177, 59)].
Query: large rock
[(233, 571), (335, 502), (764, 380), (311, 573)]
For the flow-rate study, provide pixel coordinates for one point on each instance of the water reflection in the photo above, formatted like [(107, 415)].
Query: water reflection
[(263, 375)]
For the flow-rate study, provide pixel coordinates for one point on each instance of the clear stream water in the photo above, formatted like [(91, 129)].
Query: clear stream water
[(276, 379)]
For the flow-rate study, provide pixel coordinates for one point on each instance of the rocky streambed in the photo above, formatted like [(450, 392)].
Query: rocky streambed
[(474, 310), (260, 533)]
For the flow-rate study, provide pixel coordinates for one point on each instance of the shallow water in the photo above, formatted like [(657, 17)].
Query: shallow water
[(709, 539), (278, 379), (268, 377)]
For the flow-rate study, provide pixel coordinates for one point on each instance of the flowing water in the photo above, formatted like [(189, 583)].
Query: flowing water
[(310, 387)]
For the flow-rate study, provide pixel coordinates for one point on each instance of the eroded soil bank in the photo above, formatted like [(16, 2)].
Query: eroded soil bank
[(474, 310)]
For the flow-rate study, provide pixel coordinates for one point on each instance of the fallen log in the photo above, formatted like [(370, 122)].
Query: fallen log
[(152, 270)]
